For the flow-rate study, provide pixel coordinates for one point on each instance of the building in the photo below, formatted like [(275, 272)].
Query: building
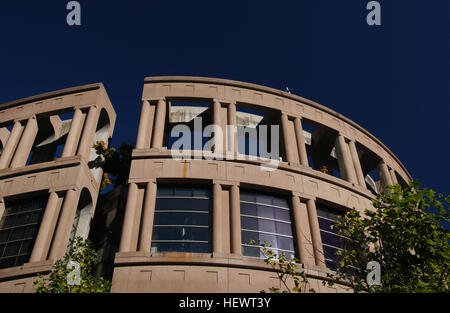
[(188, 221), (49, 177), (280, 168)]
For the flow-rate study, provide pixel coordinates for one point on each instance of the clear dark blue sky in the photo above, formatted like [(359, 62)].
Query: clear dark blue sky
[(392, 79)]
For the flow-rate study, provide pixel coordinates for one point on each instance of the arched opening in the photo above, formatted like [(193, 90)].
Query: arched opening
[(101, 134), (82, 219)]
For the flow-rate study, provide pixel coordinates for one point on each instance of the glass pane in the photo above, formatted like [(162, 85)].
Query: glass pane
[(245, 196), (251, 251), (285, 243), (164, 192), (249, 223), (9, 221), (267, 225), (181, 218), (266, 211), (249, 209), (12, 249), (248, 236), (281, 202), (283, 228), (4, 234), (282, 215), (264, 199), (17, 233)]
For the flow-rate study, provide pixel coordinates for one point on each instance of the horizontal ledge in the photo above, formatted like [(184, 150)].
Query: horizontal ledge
[(40, 167), (290, 167), (206, 259)]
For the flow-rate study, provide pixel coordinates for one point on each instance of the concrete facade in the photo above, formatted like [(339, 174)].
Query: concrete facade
[(46, 152), (325, 158), (356, 155)]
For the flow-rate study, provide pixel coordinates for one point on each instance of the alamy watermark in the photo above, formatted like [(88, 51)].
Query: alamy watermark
[(374, 16), (74, 15)]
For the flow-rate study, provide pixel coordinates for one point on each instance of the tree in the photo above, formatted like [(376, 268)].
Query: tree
[(116, 164), (63, 278), (405, 234), (286, 270)]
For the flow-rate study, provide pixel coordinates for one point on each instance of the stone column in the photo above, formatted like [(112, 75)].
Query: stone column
[(385, 175), (393, 177), (232, 121), (87, 139), (344, 160), (287, 146), (298, 216), (235, 218), (217, 236), (71, 143), (315, 233), (143, 125), (128, 223), (160, 121), (300, 142), (46, 229), (217, 123), (145, 240), (65, 223), (25, 144), (10, 145), (357, 163)]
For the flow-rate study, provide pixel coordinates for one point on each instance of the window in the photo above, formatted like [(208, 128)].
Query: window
[(331, 241), (18, 231), (265, 217), (182, 220)]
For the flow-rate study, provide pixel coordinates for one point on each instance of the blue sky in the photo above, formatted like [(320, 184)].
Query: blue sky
[(391, 79)]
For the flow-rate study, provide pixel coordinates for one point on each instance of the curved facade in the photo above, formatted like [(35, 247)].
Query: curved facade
[(189, 219), (49, 177)]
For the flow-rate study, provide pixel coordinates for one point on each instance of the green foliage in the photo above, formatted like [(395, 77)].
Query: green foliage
[(286, 269), (405, 235), (56, 282), (116, 164)]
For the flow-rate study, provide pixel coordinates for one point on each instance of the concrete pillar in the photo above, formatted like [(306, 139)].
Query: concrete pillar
[(287, 141), (160, 122), (71, 143), (357, 163), (217, 123), (344, 160), (217, 219), (232, 120), (300, 142), (393, 177), (10, 145), (128, 222), (25, 144), (315, 233), (143, 125), (298, 216), (145, 240), (385, 175), (87, 139), (235, 218), (62, 235), (46, 229)]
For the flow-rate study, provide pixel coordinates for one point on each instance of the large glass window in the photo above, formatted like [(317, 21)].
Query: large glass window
[(182, 220), (18, 230), (265, 218), (331, 241)]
